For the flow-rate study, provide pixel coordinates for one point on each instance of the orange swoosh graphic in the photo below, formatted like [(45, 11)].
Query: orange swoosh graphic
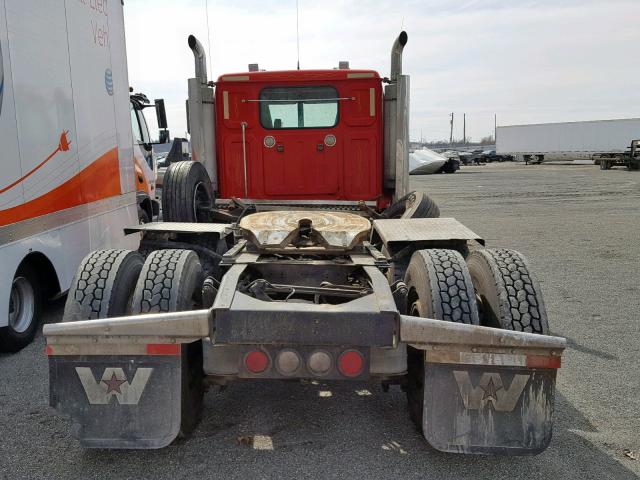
[(99, 180), (63, 146)]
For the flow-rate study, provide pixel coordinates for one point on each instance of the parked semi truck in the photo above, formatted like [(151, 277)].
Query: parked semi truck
[(73, 176), (629, 159), (295, 250), (567, 141)]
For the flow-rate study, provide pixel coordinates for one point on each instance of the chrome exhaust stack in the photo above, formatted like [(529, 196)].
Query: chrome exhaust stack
[(396, 55), (396, 124), (199, 57), (201, 114)]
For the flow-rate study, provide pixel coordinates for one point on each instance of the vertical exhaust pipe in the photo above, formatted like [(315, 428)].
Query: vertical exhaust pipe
[(396, 55), (199, 57), (201, 114)]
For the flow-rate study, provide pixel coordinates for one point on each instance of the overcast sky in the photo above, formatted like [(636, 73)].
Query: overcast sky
[(526, 61)]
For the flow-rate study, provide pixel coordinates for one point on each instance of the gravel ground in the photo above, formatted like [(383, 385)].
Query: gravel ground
[(579, 228)]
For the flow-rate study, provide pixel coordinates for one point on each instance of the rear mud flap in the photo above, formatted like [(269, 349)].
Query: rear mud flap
[(488, 409), (119, 401)]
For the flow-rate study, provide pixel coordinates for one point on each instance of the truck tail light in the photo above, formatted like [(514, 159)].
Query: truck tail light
[(288, 362), (256, 361), (319, 362), (351, 363)]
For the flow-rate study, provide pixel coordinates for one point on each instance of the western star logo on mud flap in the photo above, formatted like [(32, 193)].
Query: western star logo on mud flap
[(114, 382), (490, 389)]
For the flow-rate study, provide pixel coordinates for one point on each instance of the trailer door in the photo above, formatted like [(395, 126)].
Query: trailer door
[(300, 151)]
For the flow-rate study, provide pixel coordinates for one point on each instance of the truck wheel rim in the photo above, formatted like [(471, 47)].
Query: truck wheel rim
[(200, 200), (21, 305)]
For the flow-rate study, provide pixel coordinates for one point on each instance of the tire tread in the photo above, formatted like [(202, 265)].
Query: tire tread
[(90, 296), (521, 304)]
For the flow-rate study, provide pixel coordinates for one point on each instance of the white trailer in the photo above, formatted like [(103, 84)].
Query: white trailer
[(567, 140), (67, 183)]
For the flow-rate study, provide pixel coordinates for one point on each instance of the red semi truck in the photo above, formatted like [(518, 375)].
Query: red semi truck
[(291, 248)]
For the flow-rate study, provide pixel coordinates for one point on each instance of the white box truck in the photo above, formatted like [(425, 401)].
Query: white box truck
[(568, 141), (71, 165)]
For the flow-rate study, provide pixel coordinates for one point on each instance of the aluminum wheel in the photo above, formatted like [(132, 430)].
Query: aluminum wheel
[(22, 305)]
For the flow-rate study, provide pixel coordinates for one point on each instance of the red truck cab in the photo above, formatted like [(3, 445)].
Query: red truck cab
[(300, 134)]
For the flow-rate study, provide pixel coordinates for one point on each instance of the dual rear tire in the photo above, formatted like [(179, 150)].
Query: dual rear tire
[(113, 283), (492, 288), (508, 295)]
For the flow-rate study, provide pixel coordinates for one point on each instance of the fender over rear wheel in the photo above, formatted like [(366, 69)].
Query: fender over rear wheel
[(508, 296), (103, 285), (439, 287), (25, 301), (187, 194), (171, 281)]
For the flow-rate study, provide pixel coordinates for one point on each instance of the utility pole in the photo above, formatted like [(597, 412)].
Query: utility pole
[(451, 130), (464, 128), (495, 128)]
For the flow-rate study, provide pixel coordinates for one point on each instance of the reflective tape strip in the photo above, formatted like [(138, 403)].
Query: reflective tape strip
[(113, 349), (497, 359), (541, 361), (493, 359), (164, 349)]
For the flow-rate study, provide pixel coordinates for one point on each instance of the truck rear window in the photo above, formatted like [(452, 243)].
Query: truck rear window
[(299, 107)]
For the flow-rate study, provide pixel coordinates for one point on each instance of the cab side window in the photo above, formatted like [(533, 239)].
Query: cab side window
[(135, 125), (144, 129), (141, 133)]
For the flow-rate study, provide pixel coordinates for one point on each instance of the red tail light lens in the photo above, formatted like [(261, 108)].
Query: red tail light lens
[(351, 363), (256, 361)]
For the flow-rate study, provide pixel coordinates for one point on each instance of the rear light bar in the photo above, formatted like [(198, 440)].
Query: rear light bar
[(304, 362)]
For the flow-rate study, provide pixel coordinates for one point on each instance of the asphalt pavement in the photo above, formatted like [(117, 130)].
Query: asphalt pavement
[(580, 229)]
